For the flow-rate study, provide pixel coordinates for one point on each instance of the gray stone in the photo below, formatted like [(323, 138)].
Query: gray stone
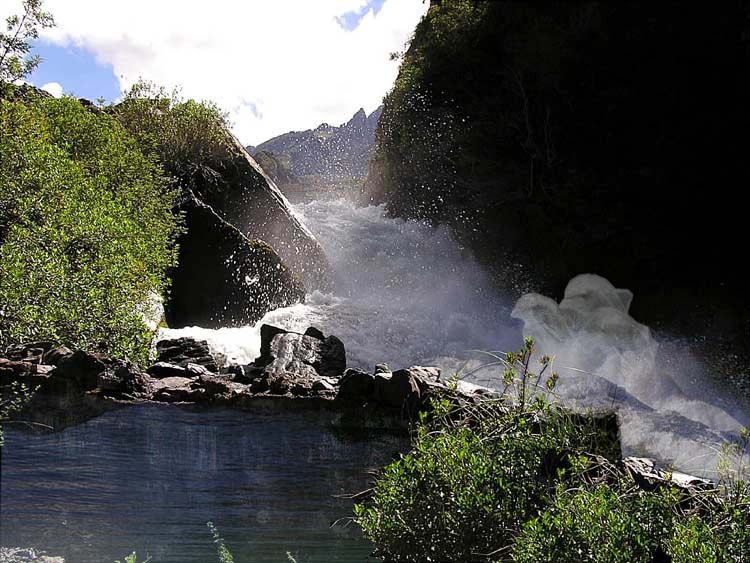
[(324, 386), (176, 389), (83, 368), (160, 370), (356, 384), (225, 278), (181, 351), (54, 355), (399, 390), (290, 359)]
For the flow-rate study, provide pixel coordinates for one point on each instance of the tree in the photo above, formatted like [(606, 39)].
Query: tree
[(14, 43)]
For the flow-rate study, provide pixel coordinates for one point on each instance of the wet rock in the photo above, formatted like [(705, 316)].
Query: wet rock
[(196, 370), (324, 386), (177, 389), (181, 351), (399, 389), (241, 194), (290, 359), (160, 370), (382, 368), (225, 278), (55, 355), (356, 384), (315, 333)]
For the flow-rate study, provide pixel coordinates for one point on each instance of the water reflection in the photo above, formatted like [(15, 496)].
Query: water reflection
[(147, 478)]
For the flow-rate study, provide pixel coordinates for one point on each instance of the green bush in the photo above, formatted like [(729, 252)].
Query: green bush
[(86, 232), (599, 523), (189, 138), (518, 479)]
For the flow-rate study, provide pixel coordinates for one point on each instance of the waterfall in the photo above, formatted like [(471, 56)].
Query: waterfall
[(409, 294)]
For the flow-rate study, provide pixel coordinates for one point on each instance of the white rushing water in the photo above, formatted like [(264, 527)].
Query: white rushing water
[(407, 294)]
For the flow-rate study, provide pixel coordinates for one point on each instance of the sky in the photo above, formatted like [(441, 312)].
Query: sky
[(273, 65)]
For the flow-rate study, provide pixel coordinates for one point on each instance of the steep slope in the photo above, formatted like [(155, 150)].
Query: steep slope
[(580, 137)]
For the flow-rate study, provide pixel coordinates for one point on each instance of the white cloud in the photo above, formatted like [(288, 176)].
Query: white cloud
[(275, 66), (53, 88)]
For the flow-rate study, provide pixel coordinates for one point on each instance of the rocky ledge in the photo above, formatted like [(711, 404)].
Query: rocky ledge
[(293, 371)]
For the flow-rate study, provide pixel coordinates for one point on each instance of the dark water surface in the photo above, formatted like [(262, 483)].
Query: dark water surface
[(148, 478)]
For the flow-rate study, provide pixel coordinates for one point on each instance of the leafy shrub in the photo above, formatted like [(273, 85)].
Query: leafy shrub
[(475, 474), (518, 479), (86, 232), (599, 523), (188, 137)]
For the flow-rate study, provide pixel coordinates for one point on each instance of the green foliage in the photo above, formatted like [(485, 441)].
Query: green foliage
[(225, 556), (473, 475), (189, 138), (599, 523), (519, 479), (86, 232), (14, 42)]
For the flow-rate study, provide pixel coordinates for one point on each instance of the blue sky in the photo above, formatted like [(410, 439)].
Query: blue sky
[(350, 20), (274, 66), (77, 70)]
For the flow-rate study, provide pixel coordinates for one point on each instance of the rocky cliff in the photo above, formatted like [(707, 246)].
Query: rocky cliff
[(326, 154), (580, 137)]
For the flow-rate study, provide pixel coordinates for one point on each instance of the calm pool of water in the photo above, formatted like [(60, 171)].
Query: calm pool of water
[(148, 478)]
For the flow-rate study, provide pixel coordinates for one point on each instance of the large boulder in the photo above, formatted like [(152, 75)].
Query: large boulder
[(240, 192), (224, 278), (294, 362)]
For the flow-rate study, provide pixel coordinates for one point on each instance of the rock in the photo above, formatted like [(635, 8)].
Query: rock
[(196, 370), (241, 194), (216, 387), (648, 476), (290, 358), (356, 384), (28, 374), (55, 355), (181, 351), (176, 389), (132, 381), (382, 368), (223, 277), (315, 333), (26, 555), (83, 368), (31, 353), (400, 390), (244, 374), (324, 386), (160, 370)]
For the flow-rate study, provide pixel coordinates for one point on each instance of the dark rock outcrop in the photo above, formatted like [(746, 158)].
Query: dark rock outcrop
[(224, 278), (183, 351), (293, 362), (238, 190), (581, 137)]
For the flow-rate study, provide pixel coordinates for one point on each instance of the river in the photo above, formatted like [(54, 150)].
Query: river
[(148, 478)]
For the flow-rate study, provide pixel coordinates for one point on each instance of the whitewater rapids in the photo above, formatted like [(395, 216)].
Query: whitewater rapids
[(408, 294)]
